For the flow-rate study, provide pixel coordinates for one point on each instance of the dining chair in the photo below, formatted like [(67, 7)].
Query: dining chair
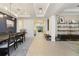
[(5, 46)]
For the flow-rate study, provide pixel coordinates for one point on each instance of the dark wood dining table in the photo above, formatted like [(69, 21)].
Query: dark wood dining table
[(4, 37)]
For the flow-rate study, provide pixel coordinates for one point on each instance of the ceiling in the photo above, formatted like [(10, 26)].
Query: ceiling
[(39, 9), (70, 9)]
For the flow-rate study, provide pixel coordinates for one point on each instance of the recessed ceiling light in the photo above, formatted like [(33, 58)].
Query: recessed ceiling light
[(40, 15), (77, 5)]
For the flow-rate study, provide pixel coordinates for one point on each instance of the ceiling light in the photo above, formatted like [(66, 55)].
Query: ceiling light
[(40, 10), (77, 5), (72, 10), (40, 15), (6, 8)]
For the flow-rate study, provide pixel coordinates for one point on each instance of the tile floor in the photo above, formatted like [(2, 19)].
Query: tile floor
[(22, 49), (41, 47)]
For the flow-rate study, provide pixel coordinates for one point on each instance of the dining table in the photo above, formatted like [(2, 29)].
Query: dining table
[(4, 37)]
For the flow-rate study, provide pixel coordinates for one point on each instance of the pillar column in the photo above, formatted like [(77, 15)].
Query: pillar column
[(52, 27)]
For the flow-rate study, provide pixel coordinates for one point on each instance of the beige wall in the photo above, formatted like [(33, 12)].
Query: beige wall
[(29, 26), (20, 24)]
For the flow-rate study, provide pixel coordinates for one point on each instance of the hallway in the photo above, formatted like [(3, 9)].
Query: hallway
[(41, 47)]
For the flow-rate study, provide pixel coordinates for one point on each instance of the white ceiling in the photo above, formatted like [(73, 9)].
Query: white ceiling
[(32, 9), (71, 9)]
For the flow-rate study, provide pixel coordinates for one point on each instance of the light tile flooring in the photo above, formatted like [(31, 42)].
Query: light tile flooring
[(22, 48), (41, 47)]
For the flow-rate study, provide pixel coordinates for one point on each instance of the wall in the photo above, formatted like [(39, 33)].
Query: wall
[(20, 24), (45, 25), (29, 26)]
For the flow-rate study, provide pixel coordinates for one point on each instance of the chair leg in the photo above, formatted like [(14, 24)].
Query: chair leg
[(24, 38), (15, 45), (8, 52)]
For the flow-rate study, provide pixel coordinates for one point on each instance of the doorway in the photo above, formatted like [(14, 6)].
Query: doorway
[(39, 26)]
